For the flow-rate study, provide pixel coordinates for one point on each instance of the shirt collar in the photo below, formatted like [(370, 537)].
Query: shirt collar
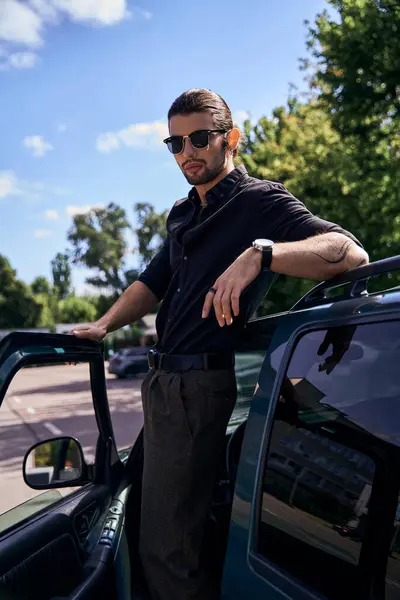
[(223, 188)]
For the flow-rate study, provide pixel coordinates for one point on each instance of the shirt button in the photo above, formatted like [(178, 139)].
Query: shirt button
[(185, 258), (178, 290), (221, 195)]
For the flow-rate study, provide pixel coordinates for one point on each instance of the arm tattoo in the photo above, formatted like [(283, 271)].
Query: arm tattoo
[(363, 261), (342, 254)]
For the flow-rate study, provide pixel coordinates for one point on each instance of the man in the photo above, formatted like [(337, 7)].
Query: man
[(202, 269)]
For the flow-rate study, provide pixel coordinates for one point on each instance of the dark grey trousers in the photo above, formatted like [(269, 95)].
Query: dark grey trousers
[(185, 420)]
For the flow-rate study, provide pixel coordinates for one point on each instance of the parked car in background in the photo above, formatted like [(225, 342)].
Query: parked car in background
[(129, 362)]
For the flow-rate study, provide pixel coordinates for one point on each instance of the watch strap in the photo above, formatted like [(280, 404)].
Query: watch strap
[(266, 257)]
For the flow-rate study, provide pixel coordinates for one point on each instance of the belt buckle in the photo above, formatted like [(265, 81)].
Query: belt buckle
[(151, 359), (155, 359)]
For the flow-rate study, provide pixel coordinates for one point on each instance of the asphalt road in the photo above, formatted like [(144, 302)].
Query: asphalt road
[(46, 402)]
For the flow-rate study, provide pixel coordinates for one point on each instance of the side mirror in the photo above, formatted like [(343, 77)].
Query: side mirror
[(55, 463)]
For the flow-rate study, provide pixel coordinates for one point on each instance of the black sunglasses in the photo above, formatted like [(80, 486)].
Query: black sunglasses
[(199, 139)]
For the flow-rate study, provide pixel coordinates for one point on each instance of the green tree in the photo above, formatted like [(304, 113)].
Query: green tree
[(75, 309), (355, 65), (151, 231), (41, 285), (18, 307), (48, 309), (355, 74), (99, 243), (61, 271)]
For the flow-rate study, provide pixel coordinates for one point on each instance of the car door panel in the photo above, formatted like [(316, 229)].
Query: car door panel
[(59, 552), (76, 548)]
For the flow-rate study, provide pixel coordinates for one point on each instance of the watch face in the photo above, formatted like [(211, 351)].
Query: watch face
[(263, 243)]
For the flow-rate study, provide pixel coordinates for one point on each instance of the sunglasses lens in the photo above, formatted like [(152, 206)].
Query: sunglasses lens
[(174, 145), (199, 139)]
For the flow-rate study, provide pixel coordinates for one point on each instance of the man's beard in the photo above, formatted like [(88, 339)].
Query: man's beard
[(208, 172)]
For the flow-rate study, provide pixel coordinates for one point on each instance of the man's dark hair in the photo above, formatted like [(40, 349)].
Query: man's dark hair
[(202, 100)]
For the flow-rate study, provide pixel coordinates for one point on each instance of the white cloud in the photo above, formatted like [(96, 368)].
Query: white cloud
[(107, 142), (8, 184), (46, 10), (143, 135), (24, 22), (32, 191), (139, 13), (17, 60), (23, 60), (43, 233), (20, 24), (62, 127), (101, 12), (72, 211), (51, 215), (38, 145)]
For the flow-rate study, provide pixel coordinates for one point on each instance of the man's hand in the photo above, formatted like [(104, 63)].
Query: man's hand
[(229, 286), (91, 331)]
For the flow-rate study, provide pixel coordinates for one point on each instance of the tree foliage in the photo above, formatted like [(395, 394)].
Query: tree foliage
[(61, 271), (99, 242), (151, 231), (41, 285), (75, 309), (357, 64), (18, 307)]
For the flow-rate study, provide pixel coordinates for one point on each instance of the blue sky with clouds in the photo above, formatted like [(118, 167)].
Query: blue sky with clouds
[(85, 86)]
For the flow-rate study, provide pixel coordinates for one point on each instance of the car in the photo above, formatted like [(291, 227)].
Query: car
[(129, 363), (317, 446)]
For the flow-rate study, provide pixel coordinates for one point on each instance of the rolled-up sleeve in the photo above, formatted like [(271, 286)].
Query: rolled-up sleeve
[(290, 220), (157, 275)]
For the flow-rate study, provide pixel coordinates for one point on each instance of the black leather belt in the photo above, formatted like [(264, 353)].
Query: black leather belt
[(186, 362)]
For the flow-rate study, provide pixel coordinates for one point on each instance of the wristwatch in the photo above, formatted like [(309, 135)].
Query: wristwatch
[(265, 247)]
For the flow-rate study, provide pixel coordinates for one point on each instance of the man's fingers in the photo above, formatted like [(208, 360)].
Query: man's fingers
[(86, 334), (78, 332), (226, 306), (225, 298), (218, 307), (208, 304), (235, 298)]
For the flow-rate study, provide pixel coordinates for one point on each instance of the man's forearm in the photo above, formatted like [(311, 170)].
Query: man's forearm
[(320, 257), (136, 302)]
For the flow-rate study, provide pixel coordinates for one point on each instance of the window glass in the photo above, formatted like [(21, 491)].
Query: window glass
[(125, 371), (339, 403), (42, 402), (247, 369)]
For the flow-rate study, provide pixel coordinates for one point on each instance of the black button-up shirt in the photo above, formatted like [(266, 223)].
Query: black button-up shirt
[(203, 242)]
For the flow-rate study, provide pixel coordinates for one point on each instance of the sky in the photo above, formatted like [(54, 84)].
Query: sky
[(85, 87)]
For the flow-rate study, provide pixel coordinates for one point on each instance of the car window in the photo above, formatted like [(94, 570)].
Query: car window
[(42, 402), (337, 415), (247, 368), (124, 379)]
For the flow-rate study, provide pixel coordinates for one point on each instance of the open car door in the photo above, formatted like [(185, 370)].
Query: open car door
[(70, 540)]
